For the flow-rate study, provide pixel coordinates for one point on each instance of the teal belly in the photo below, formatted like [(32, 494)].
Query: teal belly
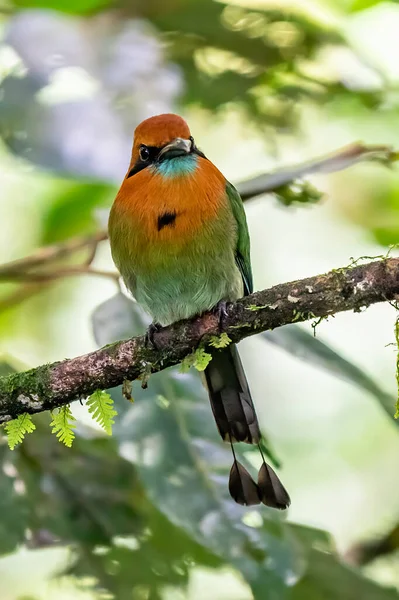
[(182, 288)]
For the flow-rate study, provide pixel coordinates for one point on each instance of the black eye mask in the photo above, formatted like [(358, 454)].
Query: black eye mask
[(153, 153)]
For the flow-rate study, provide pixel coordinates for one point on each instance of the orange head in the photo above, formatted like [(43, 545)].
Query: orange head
[(168, 176), (158, 139)]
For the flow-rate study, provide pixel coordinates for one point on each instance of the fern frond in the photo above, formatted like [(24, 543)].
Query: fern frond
[(187, 363), (18, 428), (201, 359), (63, 425), (101, 407), (198, 359), (220, 341)]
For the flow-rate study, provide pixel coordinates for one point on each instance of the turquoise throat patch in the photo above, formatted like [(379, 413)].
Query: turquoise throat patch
[(175, 167)]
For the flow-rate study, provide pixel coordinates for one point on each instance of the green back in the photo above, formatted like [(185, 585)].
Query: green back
[(243, 250)]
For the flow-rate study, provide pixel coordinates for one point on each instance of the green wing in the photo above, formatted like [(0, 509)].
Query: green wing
[(243, 251)]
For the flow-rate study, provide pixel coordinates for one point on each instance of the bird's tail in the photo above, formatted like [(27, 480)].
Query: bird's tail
[(236, 420)]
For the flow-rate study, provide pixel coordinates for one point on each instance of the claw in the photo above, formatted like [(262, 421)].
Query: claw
[(220, 311), (149, 336)]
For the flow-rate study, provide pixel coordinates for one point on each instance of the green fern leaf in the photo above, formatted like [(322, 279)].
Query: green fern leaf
[(201, 359), (187, 363), (220, 341), (18, 428), (101, 407), (63, 425), (198, 359)]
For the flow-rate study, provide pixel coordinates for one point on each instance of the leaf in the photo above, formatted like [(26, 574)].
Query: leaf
[(18, 428), (63, 425), (201, 359), (74, 6), (13, 509), (90, 496), (185, 470), (118, 318), (305, 346), (186, 363), (359, 5), (6, 366), (326, 577), (101, 407), (72, 211), (221, 341)]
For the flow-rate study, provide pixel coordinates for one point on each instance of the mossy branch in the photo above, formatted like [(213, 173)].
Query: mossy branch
[(57, 384)]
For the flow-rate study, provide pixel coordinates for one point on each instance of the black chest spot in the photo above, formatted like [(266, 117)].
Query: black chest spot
[(167, 218)]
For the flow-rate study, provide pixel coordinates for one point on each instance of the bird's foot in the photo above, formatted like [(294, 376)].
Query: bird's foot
[(221, 312), (149, 335)]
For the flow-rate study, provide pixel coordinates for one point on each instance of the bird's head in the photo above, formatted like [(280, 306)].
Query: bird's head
[(164, 144)]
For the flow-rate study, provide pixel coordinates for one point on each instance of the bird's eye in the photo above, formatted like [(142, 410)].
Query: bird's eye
[(144, 153)]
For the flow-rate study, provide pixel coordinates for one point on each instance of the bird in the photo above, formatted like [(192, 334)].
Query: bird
[(179, 238)]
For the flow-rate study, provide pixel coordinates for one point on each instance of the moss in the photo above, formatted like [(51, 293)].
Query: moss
[(298, 315), (32, 382), (256, 307), (317, 322), (241, 326), (111, 349), (145, 374)]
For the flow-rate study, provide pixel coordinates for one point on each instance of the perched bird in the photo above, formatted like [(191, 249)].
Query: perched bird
[(179, 238)]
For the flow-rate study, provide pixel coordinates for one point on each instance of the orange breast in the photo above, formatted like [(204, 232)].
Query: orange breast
[(161, 210)]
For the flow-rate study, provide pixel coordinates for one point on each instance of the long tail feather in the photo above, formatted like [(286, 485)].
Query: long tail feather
[(271, 490), (236, 420), (230, 397)]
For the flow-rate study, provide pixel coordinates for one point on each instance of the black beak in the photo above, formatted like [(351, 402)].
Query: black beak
[(177, 147)]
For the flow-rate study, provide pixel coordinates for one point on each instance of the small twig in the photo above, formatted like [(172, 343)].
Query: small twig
[(91, 255), (58, 274), (49, 254), (22, 293), (363, 553), (336, 161)]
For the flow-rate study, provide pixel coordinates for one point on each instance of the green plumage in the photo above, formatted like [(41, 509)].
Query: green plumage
[(187, 279), (242, 250), (177, 280), (182, 246)]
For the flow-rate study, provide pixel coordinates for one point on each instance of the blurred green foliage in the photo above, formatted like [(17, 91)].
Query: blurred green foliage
[(72, 212), (75, 7), (141, 510)]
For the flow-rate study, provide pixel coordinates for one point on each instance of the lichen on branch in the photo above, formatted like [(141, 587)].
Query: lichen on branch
[(57, 384)]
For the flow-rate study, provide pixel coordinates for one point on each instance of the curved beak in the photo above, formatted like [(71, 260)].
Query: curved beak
[(177, 147)]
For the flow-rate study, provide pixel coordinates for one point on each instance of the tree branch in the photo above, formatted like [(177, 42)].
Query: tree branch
[(340, 159), (49, 386), (364, 553), (37, 267), (50, 254)]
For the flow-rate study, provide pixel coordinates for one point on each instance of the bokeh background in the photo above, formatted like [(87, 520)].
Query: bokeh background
[(145, 515)]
